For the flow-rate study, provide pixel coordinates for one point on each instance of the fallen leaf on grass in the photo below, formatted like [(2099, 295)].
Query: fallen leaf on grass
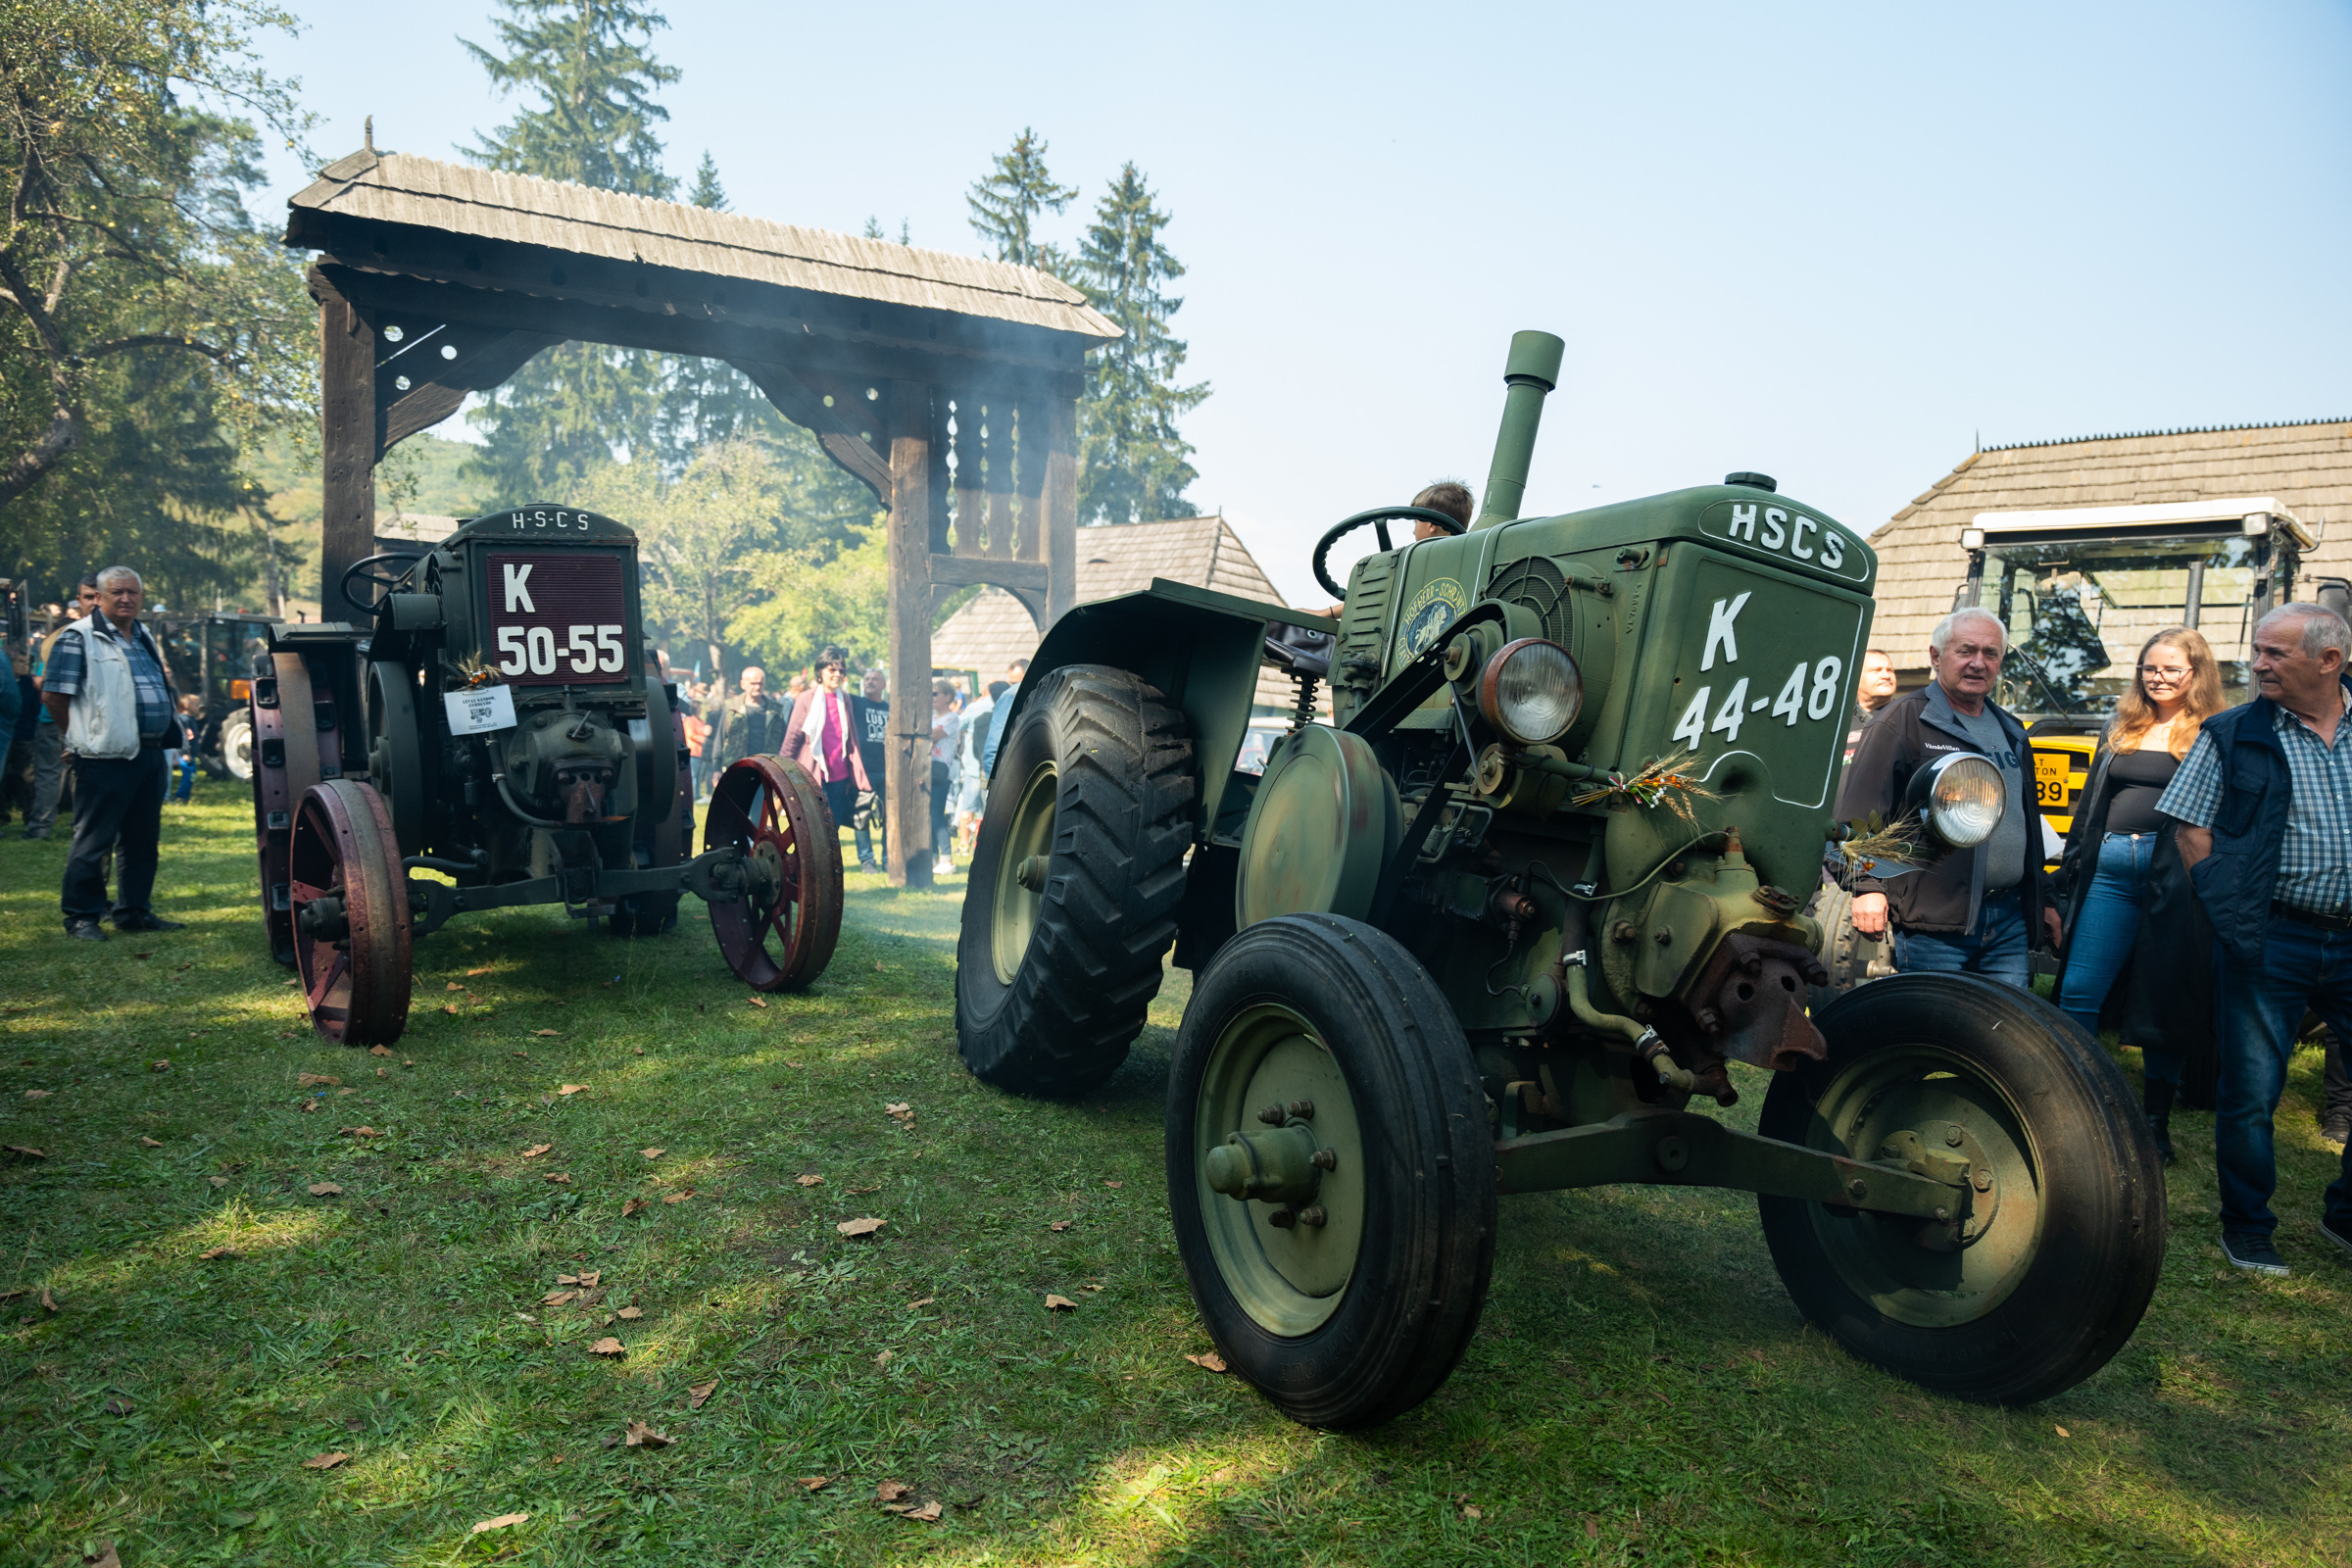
[(472, 973), (160, 1064), (38, 1094), (149, 1143), (325, 1190), (652, 1154), (1114, 1184), (814, 1483), (756, 1001), (307, 1106), (928, 1513), (632, 1207), (360, 1132), (1591, 1529), (499, 1523), (306, 1080), (342, 1092), (558, 1298), (563, 1176), (697, 1393), (1060, 1225), (1211, 1362), (106, 1557), (218, 1252), (454, 986), (926, 1302), (451, 1009), (900, 1110), (811, 1181), (325, 1461), (383, 1072), (631, 1313), (1060, 1304), (218, 1181), (1091, 1285), (546, 1034), (586, 1282), (882, 1357), (642, 1436), (536, 1150), (891, 1490), (379, 1050), (860, 1227), (2062, 1432), (27, 1151), (48, 1302), (608, 1345), (1472, 1511)]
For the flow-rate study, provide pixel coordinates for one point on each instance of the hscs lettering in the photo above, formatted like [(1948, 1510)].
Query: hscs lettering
[(1777, 529)]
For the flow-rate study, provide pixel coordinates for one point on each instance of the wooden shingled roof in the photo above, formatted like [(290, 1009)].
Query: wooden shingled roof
[(2308, 467), (482, 203), (992, 630)]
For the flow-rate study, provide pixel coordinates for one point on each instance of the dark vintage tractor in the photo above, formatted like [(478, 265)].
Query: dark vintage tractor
[(1502, 928), (489, 738)]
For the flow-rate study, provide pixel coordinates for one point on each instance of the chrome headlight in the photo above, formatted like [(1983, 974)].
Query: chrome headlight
[(1961, 798), (1531, 691)]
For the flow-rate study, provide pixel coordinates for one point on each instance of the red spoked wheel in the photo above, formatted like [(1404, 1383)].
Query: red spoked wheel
[(286, 763), (780, 935), (350, 900)]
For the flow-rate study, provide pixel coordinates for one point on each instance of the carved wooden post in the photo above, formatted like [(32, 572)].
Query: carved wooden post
[(1060, 506), (346, 436), (907, 790)]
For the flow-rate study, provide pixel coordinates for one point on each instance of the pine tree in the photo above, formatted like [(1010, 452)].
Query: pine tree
[(704, 401), (590, 67), (1135, 467), (1004, 205), (707, 192)]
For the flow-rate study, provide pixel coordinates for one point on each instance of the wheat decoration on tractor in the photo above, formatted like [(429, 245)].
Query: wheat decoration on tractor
[(488, 736), (1540, 891)]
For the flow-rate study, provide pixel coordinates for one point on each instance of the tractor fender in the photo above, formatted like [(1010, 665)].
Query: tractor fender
[(1198, 648)]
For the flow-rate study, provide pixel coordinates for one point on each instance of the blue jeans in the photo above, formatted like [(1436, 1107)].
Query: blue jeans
[(2258, 1013), (2105, 928), (1999, 949)]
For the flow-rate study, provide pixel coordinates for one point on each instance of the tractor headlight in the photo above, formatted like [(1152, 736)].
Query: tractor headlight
[(1960, 798), (1531, 691)]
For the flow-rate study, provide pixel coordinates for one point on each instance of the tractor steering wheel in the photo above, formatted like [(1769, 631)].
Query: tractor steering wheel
[(1379, 517), (377, 572)]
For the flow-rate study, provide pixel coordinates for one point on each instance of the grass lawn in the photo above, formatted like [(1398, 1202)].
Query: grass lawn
[(1639, 1389)]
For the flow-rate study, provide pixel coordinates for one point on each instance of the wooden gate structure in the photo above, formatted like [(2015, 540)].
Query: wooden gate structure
[(437, 279)]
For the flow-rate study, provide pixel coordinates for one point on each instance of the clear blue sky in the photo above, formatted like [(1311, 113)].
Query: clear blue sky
[(1832, 243)]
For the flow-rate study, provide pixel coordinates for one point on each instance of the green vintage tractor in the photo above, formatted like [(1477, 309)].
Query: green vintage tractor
[(1502, 928)]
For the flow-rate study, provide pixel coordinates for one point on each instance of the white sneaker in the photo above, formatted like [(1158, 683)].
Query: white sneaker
[(942, 867)]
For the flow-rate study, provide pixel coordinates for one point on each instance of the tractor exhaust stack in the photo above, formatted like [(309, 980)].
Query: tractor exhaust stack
[(1532, 370)]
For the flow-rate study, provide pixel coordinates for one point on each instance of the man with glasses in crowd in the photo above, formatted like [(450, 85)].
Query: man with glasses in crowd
[(2264, 799)]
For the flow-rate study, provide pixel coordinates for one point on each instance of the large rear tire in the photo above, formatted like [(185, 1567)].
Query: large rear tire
[(2064, 1239), (1349, 1300), (1070, 906)]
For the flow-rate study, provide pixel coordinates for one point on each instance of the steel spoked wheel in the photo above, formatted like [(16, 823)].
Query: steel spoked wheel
[(780, 935), (2044, 1274), (350, 908), (1331, 1173)]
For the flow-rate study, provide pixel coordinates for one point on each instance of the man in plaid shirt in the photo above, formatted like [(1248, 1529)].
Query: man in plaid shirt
[(2265, 804), (105, 689)]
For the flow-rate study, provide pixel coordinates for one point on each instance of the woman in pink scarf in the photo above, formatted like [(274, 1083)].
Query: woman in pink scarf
[(821, 739)]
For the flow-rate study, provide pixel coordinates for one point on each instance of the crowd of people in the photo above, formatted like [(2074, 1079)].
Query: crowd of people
[(2203, 892), (837, 730)]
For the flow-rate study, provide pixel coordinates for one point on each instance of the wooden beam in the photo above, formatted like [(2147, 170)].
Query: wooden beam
[(347, 443), (964, 571), (907, 786), (1060, 506), (1029, 477), (843, 442), (437, 386)]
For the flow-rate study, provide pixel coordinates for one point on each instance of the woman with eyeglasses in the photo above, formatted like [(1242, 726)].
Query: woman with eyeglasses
[(2129, 910)]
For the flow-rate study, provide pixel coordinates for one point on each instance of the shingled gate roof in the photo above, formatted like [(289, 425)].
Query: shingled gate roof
[(460, 199), (2308, 467), (992, 630)]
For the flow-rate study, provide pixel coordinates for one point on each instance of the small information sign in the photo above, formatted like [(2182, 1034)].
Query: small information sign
[(477, 713)]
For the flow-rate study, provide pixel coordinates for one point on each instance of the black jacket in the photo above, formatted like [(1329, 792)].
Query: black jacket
[(2163, 995), (1906, 734)]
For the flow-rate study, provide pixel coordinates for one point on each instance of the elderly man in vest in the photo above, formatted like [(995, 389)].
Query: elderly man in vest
[(2265, 828), (2265, 804), (105, 688)]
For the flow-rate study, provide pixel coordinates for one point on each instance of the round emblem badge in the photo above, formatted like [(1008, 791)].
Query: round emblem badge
[(1438, 605)]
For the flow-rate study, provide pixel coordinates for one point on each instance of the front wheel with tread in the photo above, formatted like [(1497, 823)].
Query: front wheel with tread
[(1348, 1296), (2063, 1237), (1070, 904)]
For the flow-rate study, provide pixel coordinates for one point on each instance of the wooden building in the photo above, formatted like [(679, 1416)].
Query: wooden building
[(1922, 562)]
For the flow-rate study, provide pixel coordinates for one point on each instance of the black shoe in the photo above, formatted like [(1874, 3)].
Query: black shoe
[(2253, 1252), (34, 833), (2336, 1130), (2342, 1237), (146, 922), (2156, 1095), (85, 931)]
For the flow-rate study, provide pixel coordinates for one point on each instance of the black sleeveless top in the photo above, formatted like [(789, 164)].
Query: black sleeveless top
[(2136, 781)]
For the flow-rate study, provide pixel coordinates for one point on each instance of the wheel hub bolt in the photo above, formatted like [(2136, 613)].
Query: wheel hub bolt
[(1951, 1136), (1982, 1180), (1312, 1214), (1858, 1187), (1943, 1216), (1303, 1110), (1271, 1115), (1282, 1219), (1031, 873), (1324, 1160)]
